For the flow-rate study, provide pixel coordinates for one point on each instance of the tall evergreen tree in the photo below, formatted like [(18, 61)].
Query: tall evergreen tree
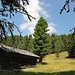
[(71, 46), (8, 41), (57, 47), (16, 41), (41, 38), (65, 38), (25, 42), (62, 46), (30, 44), (53, 40)]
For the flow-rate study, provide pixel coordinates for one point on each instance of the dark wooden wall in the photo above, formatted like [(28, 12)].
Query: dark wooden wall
[(13, 60)]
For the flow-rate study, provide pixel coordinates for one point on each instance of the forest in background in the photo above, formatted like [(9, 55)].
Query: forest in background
[(57, 43)]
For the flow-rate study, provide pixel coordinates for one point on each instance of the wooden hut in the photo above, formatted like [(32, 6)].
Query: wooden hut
[(16, 59)]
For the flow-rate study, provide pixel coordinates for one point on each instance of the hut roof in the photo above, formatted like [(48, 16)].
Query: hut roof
[(14, 50)]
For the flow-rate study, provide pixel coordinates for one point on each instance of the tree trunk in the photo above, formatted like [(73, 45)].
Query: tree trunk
[(40, 59)]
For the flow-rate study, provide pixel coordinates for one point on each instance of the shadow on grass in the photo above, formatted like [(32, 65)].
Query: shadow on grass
[(39, 73), (73, 58), (43, 63)]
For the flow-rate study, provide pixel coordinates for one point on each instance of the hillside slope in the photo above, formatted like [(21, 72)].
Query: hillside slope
[(52, 64)]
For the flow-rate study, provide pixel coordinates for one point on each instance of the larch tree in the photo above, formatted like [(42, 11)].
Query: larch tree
[(41, 38)]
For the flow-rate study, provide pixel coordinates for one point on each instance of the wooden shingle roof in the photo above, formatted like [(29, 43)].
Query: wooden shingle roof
[(24, 52)]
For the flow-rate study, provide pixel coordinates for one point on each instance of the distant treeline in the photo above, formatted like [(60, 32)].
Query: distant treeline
[(57, 43)]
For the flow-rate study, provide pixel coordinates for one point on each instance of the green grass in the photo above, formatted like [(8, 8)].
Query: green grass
[(38, 73), (50, 66)]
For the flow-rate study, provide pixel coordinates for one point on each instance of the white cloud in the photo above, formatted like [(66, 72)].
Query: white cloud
[(35, 9), (45, 13), (49, 5), (52, 28), (43, 3)]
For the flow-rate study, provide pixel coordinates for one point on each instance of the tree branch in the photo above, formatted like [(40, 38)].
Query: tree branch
[(67, 5)]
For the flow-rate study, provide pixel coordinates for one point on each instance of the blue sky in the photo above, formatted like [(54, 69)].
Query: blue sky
[(49, 9)]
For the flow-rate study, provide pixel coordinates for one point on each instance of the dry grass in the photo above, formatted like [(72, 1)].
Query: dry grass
[(52, 64)]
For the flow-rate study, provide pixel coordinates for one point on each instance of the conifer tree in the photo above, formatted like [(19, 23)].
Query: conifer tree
[(53, 40), (71, 46), (41, 38), (30, 44), (59, 46)]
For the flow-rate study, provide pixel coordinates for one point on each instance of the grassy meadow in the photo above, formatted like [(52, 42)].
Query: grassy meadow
[(50, 66)]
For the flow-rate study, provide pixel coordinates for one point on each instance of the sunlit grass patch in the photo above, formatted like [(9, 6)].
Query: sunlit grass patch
[(55, 65)]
